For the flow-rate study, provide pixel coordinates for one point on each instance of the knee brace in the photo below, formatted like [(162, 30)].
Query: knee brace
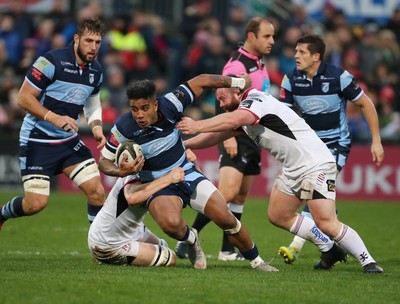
[(36, 183), (84, 171), (235, 229), (163, 256)]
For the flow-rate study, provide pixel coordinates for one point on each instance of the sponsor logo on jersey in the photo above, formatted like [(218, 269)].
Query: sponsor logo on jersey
[(113, 140), (42, 63), (354, 85), (70, 71), (325, 87), (255, 99), (36, 168), (76, 95), (246, 103), (302, 85), (282, 93), (66, 63), (179, 94), (36, 74), (327, 78)]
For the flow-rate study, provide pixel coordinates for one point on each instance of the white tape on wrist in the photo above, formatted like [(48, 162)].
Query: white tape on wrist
[(238, 83)]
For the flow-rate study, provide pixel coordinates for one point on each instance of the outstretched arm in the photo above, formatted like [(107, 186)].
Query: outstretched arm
[(221, 122), (199, 83), (371, 117), (206, 140)]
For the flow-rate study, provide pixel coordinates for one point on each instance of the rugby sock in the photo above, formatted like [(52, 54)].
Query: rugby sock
[(306, 228), (237, 211), (253, 256), (200, 222), (92, 211), (190, 237), (298, 241), (349, 239), (13, 208)]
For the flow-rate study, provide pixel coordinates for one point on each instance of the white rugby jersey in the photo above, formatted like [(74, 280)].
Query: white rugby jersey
[(117, 222), (284, 134)]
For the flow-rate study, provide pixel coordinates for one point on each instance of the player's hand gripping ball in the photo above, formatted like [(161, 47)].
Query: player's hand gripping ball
[(129, 148)]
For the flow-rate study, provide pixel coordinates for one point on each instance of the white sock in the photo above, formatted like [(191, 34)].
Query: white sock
[(235, 208), (306, 228), (191, 238), (257, 261), (298, 242), (352, 243)]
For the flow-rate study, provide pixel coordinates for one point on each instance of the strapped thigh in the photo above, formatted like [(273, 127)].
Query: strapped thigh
[(84, 171), (37, 183)]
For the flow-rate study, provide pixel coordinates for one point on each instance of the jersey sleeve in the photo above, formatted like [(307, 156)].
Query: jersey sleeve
[(115, 137), (233, 67), (285, 94), (255, 104), (173, 104), (41, 73), (351, 90)]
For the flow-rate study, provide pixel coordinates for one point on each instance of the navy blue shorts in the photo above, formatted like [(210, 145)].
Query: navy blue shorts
[(51, 159), (184, 189)]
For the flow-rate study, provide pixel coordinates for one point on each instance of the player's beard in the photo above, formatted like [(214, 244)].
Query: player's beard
[(82, 56)]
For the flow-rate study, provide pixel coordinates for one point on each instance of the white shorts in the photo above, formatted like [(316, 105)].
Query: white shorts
[(318, 184), (121, 254)]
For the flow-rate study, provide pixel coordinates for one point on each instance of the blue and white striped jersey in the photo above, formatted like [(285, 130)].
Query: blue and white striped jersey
[(322, 100), (162, 145), (64, 87)]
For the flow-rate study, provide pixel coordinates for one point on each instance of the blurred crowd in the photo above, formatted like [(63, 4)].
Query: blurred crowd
[(142, 44)]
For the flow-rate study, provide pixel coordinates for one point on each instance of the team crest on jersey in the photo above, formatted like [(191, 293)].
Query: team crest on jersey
[(91, 78), (331, 185), (325, 87)]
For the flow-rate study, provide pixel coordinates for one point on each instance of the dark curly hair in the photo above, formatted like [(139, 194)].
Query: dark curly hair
[(141, 89)]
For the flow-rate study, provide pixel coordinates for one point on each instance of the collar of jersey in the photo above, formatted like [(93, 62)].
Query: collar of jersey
[(247, 54)]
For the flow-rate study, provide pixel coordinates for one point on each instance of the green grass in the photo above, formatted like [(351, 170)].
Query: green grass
[(44, 259)]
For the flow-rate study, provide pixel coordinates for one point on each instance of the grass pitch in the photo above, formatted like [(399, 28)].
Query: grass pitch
[(44, 259)]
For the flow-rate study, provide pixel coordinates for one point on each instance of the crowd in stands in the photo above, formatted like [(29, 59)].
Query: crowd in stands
[(146, 45)]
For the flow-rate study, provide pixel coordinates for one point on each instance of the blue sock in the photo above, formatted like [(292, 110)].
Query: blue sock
[(12, 208), (251, 254), (92, 212)]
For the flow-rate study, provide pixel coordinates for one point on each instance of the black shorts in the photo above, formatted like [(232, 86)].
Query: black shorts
[(248, 159), (52, 159)]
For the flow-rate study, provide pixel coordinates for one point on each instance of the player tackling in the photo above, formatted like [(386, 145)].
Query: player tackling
[(118, 235), (308, 174)]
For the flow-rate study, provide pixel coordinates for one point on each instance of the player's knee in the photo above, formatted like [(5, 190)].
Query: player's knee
[(96, 195), (228, 194), (172, 226), (163, 257), (234, 229)]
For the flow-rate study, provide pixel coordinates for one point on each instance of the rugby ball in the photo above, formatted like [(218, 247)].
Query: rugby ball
[(130, 148)]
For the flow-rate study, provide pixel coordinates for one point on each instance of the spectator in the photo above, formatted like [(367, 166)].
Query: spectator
[(12, 39)]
